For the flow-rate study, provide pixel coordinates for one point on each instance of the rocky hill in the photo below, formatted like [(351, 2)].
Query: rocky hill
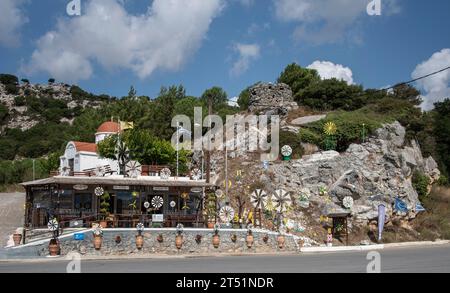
[(28, 104)]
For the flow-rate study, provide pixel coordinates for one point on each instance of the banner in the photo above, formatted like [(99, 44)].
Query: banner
[(419, 208), (400, 206), (126, 125), (381, 220)]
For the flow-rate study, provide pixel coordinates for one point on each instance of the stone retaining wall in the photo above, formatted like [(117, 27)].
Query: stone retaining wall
[(127, 244)]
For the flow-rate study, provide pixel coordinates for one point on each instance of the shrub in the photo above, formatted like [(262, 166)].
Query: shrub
[(19, 101), (443, 181), (420, 183), (11, 89), (8, 79), (309, 136), (294, 141)]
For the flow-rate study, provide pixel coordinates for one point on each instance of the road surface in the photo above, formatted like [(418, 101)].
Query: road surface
[(435, 259)]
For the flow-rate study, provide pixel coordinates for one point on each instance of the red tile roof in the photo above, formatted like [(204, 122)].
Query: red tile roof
[(85, 147), (109, 127)]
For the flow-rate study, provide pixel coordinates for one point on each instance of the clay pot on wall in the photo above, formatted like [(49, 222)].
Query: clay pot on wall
[(139, 241), (160, 238), (53, 247), (216, 241), (249, 240), (281, 241), (179, 241), (104, 224), (17, 239), (234, 238), (211, 225), (98, 239), (266, 238)]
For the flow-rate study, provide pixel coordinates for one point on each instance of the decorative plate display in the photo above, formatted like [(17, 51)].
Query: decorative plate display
[(157, 202), (133, 169), (99, 191), (146, 205), (348, 202), (165, 174), (286, 151), (226, 214), (259, 199), (140, 227), (219, 193), (196, 174), (52, 225), (173, 204), (281, 200)]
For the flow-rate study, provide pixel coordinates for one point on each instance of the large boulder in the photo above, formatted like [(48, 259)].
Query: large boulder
[(271, 99), (372, 173)]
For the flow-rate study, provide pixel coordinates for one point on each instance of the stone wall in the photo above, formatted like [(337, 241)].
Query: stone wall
[(271, 99), (127, 245)]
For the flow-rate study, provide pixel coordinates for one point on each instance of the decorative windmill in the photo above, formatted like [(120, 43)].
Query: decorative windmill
[(259, 200), (165, 174), (226, 214), (122, 155), (64, 171), (286, 151), (99, 171), (133, 169), (157, 202), (196, 174), (281, 201)]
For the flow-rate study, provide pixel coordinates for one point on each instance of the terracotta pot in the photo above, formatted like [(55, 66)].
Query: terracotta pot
[(211, 225), (98, 242), (249, 240), (139, 241), (216, 241), (104, 224), (281, 241), (179, 241), (234, 238), (53, 248), (160, 238), (17, 239), (266, 238)]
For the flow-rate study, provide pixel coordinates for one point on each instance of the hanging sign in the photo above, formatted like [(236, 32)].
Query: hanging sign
[(121, 187), (158, 218), (80, 187), (78, 236)]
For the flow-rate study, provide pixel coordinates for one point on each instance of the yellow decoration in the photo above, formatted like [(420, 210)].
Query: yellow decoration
[(126, 125), (330, 128)]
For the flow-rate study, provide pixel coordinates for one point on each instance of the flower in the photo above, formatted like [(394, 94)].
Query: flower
[(330, 128)]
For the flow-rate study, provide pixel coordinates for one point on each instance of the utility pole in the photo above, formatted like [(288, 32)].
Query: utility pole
[(208, 152), (34, 169)]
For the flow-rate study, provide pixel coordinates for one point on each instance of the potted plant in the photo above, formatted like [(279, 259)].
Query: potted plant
[(53, 247), (104, 208), (140, 238), (250, 238), (17, 237), (216, 237), (98, 237), (179, 237)]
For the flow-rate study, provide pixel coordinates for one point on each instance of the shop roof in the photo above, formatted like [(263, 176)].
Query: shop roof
[(119, 180)]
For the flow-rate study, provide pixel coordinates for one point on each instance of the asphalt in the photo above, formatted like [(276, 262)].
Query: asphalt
[(433, 259)]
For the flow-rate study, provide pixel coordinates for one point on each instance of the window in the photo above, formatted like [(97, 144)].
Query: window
[(83, 202), (65, 200)]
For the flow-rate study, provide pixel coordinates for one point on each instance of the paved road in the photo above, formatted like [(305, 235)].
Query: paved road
[(410, 260), (11, 214)]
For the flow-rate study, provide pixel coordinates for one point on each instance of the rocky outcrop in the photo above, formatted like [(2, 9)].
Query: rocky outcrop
[(271, 99), (372, 173)]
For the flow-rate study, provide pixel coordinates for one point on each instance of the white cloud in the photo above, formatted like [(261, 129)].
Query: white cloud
[(247, 3), (328, 70), (436, 87), (163, 38), (326, 21), (233, 102), (246, 54), (12, 18)]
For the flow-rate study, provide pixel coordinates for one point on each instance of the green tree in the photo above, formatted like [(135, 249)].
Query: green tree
[(218, 97), (442, 134), (244, 99), (298, 79)]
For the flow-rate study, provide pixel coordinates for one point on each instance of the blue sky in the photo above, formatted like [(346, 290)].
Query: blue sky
[(228, 43)]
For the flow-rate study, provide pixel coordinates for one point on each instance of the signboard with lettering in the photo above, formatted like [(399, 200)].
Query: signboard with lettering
[(121, 187), (158, 218), (161, 188), (78, 236), (80, 187)]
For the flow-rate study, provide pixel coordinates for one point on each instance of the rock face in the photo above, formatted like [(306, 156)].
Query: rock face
[(271, 99), (371, 173)]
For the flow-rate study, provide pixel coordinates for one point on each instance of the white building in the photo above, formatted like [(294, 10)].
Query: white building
[(82, 156)]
